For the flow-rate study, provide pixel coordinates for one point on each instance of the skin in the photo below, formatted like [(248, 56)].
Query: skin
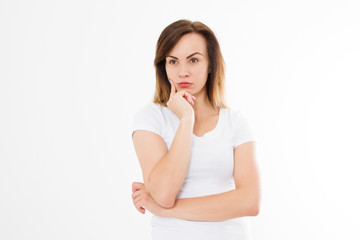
[(194, 69), (244, 200), (186, 62)]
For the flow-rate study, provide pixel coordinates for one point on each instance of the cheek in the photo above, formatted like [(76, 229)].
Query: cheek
[(169, 71), (201, 71)]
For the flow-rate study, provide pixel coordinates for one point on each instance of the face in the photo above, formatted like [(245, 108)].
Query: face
[(188, 62)]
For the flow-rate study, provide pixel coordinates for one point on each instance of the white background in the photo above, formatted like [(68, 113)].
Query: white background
[(73, 73)]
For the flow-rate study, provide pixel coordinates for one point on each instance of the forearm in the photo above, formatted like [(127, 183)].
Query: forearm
[(167, 177), (232, 204)]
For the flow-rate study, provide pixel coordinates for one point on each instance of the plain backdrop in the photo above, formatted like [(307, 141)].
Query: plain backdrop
[(73, 73)]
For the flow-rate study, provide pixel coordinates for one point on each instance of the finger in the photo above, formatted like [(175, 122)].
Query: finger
[(187, 96), (140, 209), (135, 195), (136, 199), (192, 97), (189, 99), (139, 195), (173, 90), (139, 204), (136, 186)]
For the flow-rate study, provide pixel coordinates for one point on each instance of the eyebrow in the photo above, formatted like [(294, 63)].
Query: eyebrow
[(187, 56)]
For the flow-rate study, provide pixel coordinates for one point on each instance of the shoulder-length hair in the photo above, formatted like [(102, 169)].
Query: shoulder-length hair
[(215, 84)]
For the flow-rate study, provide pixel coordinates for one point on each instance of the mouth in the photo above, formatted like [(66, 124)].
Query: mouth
[(184, 84)]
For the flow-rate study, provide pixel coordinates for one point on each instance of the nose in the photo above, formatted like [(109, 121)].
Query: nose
[(184, 75), (183, 72)]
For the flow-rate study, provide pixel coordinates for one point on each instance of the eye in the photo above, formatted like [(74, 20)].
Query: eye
[(172, 61), (194, 60)]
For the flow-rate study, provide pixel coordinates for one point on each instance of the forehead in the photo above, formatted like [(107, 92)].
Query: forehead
[(188, 44)]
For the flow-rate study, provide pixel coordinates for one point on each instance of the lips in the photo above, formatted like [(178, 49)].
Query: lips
[(184, 84)]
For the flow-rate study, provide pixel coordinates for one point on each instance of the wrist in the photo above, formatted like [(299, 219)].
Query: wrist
[(186, 118)]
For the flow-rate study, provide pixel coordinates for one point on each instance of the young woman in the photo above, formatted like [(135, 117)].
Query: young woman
[(196, 154)]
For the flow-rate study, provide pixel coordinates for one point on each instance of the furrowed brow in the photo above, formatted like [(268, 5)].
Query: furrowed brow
[(187, 56)]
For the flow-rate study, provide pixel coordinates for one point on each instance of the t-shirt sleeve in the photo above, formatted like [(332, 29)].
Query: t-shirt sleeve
[(242, 129), (148, 118)]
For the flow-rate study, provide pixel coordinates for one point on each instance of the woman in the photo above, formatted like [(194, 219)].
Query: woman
[(196, 154)]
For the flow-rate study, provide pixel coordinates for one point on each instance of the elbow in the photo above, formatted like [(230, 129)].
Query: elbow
[(255, 211), (167, 202), (162, 199), (254, 206)]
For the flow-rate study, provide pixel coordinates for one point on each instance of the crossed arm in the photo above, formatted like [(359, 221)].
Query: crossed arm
[(232, 204), (242, 201)]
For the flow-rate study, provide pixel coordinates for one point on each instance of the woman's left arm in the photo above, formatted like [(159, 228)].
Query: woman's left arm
[(232, 204), (242, 201)]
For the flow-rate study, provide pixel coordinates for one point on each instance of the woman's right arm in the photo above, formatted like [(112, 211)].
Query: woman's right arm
[(168, 175), (164, 171)]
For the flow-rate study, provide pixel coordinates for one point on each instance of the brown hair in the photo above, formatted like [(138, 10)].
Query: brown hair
[(215, 83)]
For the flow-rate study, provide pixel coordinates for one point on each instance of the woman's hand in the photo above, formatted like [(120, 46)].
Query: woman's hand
[(179, 102), (143, 200)]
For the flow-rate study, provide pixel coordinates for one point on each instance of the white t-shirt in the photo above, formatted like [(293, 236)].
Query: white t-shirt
[(210, 171)]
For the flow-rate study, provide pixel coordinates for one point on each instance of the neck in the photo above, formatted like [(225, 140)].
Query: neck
[(202, 106)]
